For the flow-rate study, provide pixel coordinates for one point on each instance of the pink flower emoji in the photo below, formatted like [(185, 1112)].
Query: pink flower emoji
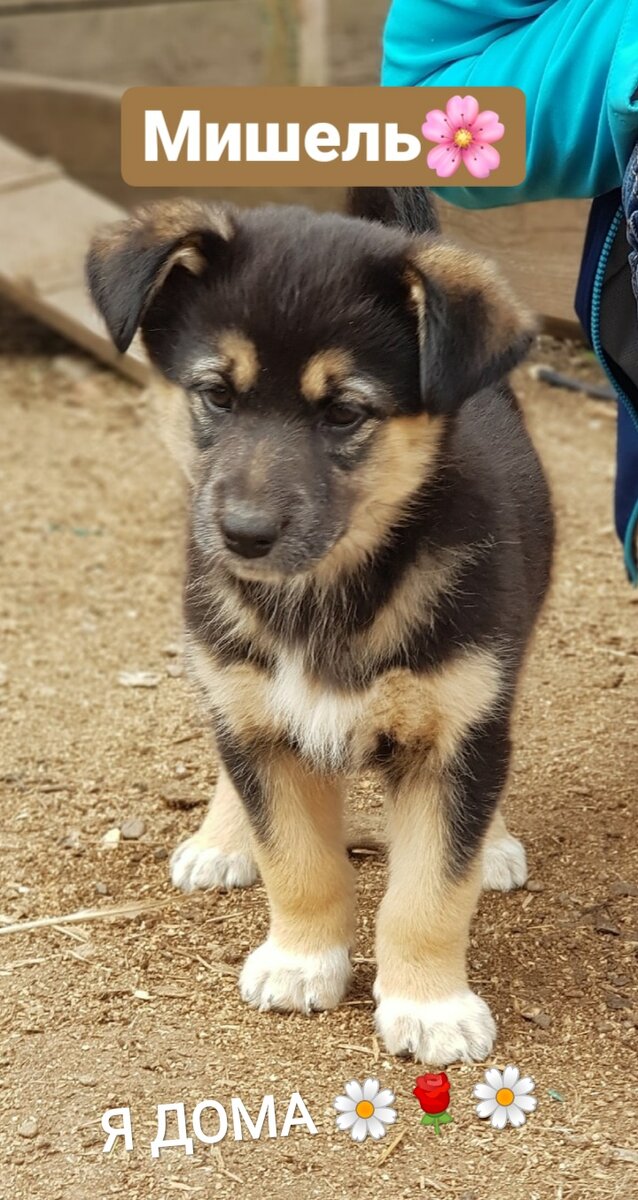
[(463, 134)]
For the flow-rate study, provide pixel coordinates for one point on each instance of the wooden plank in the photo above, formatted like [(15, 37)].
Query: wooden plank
[(71, 313), (18, 169), (312, 42), (44, 232), (46, 223), (537, 246)]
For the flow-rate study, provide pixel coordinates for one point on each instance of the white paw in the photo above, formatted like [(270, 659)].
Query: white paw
[(273, 978), (460, 1028), (195, 866), (504, 864)]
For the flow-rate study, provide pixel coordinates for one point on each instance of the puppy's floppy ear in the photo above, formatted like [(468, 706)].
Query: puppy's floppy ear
[(472, 329), (128, 263)]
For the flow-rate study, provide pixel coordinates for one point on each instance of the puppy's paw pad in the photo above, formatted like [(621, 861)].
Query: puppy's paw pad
[(196, 866), (504, 864), (457, 1029), (273, 978)]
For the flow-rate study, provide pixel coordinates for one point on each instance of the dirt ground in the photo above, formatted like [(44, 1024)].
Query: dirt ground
[(145, 1011)]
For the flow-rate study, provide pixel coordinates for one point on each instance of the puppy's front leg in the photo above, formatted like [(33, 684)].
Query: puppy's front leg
[(438, 814), (300, 849)]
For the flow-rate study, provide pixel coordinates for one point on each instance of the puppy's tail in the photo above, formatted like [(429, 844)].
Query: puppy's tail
[(412, 208)]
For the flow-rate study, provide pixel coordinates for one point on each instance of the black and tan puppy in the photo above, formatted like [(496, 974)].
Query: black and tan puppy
[(370, 541)]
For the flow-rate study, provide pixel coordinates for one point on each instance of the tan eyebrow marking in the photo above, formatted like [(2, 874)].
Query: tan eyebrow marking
[(323, 370), (241, 353)]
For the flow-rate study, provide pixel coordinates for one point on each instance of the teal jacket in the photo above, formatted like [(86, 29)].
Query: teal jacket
[(576, 61)]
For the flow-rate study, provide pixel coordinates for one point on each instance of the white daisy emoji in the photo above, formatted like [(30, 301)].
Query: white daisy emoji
[(364, 1109), (505, 1097)]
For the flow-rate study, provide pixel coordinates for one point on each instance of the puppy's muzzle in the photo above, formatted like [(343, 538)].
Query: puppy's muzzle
[(250, 532)]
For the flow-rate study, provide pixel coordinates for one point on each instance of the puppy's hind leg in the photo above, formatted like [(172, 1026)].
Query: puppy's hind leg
[(220, 854), (504, 859)]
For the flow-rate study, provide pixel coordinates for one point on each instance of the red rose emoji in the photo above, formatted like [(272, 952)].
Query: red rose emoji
[(433, 1092)]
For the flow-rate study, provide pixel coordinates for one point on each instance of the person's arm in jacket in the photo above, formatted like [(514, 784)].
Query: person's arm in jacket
[(576, 61)]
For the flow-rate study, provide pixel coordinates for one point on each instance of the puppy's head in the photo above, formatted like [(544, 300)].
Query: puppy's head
[(320, 357)]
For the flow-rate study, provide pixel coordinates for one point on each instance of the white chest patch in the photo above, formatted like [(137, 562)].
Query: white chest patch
[(322, 722)]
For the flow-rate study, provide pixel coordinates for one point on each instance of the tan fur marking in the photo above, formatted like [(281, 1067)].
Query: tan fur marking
[(242, 358), (424, 919), (497, 829), (166, 220), (460, 272), (226, 826), (420, 591), (402, 458), (308, 878), (170, 406), (438, 709), (417, 295), (323, 371), (239, 691)]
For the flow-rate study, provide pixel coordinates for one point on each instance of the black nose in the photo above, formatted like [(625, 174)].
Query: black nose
[(249, 532)]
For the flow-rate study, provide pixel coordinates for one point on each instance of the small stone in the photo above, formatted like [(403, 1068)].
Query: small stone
[(172, 650), (614, 680), (534, 885), (28, 1128), (101, 889), (622, 888), (616, 1002), (85, 951), (111, 839), (180, 800), (87, 1081), (537, 1017), (174, 669), (181, 770), (604, 927), (133, 829), (606, 1027), (73, 369), (71, 840), (139, 679), (160, 855)]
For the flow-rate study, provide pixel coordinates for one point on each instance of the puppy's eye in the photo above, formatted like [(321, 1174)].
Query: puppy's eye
[(218, 396), (340, 415)]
